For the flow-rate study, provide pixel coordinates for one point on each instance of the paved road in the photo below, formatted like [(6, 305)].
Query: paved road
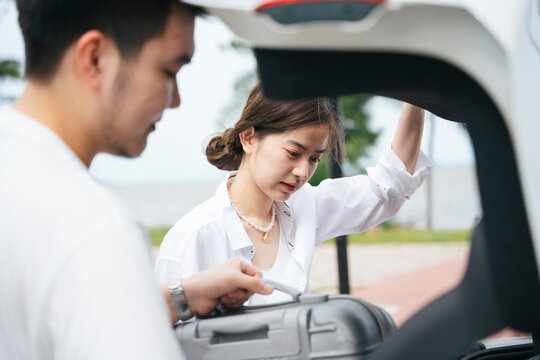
[(369, 264)]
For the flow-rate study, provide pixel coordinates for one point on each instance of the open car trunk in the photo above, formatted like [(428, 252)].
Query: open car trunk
[(501, 286)]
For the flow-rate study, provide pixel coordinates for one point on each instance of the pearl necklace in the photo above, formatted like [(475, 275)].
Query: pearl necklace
[(264, 230)]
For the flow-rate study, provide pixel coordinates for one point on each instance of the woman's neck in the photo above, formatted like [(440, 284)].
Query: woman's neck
[(249, 198)]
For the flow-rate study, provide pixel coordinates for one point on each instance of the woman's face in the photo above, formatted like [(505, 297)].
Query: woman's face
[(281, 163)]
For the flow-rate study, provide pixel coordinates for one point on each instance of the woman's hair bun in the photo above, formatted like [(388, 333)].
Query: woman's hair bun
[(222, 152)]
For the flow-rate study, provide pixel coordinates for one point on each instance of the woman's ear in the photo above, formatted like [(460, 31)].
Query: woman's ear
[(248, 139)]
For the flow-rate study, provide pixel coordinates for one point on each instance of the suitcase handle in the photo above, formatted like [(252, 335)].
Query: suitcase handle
[(295, 294), (222, 310), (286, 289)]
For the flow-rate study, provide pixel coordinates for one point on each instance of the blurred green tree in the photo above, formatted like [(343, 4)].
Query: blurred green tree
[(357, 135), (9, 69)]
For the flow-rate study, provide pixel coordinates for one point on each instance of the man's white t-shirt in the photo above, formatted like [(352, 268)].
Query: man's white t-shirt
[(76, 278)]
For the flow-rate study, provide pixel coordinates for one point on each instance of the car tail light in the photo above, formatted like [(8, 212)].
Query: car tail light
[(299, 11)]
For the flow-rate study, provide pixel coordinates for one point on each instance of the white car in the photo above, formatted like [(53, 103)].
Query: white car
[(474, 61)]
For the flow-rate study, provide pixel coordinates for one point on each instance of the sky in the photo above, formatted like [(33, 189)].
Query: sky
[(175, 150)]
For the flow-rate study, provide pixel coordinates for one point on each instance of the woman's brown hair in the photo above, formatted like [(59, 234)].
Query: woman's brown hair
[(225, 151)]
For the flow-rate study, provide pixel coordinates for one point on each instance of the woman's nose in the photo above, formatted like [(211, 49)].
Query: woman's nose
[(301, 170)]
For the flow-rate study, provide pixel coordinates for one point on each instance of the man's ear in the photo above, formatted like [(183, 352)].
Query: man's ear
[(90, 51), (248, 139)]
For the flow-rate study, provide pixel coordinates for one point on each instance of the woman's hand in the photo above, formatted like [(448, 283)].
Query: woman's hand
[(408, 137)]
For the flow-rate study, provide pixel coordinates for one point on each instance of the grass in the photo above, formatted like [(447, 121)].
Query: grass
[(157, 235), (398, 236), (374, 236)]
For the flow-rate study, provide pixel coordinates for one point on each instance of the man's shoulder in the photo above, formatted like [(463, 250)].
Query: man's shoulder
[(53, 192), (39, 169)]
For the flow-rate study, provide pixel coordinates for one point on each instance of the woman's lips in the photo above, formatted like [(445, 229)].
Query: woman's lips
[(288, 187)]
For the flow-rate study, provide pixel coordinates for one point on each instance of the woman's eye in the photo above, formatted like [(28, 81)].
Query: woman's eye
[(316, 160), (292, 153)]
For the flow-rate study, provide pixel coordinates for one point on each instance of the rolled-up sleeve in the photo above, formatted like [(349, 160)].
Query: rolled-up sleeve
[(353, 204), (390, 179)]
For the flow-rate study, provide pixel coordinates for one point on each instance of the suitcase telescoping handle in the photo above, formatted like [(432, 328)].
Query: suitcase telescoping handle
[(284, 288), (295, 298)]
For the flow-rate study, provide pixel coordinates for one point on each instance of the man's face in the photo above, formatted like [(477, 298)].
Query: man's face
[(144, 86)]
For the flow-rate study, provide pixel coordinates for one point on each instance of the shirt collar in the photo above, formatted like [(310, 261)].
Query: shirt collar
[(236, 234), (286, 218), (284, 209)]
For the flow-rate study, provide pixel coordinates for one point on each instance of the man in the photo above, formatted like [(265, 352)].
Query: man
[(75, 274)]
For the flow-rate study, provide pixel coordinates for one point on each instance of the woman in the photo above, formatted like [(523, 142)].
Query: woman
[(266, 213)]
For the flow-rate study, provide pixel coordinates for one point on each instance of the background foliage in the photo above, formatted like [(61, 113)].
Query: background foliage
[(357, 135), (9, 68)]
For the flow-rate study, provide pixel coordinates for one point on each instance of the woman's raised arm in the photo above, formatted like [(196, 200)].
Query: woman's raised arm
[(406, 142)]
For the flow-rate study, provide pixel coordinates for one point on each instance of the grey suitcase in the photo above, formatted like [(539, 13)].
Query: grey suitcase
[(315, 326)]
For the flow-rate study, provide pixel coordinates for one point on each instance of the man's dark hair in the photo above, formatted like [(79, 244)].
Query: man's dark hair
[(49, 27)]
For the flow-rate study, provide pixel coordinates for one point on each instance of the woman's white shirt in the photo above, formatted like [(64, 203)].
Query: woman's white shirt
[(212, 232)]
